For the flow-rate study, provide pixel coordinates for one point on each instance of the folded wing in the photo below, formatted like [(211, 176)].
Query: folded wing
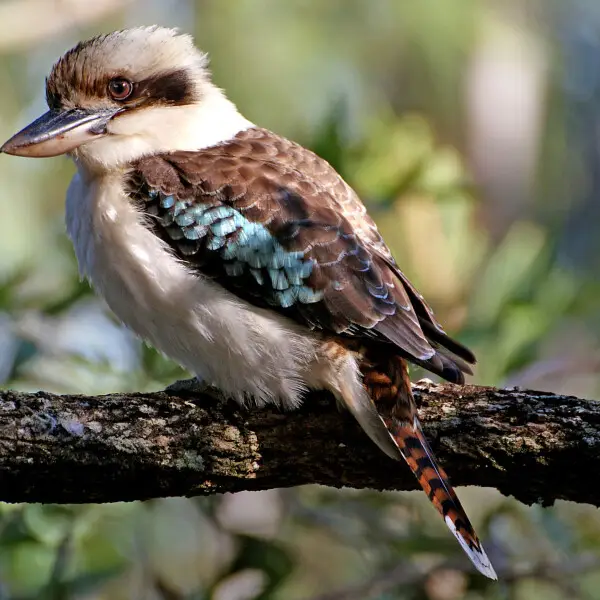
[(276, 225)]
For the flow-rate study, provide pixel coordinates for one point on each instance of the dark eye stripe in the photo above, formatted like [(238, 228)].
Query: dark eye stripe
[(173, 88)]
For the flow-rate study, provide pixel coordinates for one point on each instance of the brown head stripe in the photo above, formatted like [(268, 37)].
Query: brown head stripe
[(171, 88)]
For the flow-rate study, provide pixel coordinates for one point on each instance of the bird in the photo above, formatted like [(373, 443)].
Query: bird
[(241, 255)]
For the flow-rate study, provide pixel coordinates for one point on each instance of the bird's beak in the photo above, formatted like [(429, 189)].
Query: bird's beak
[(58, 132)]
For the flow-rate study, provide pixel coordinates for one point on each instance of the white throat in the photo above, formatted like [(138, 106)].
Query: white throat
[(158, 129)]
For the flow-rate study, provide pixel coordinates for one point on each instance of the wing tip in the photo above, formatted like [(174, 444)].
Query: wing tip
[(477, 556)]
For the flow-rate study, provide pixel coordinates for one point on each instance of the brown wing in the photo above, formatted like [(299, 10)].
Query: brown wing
[(275, 224)]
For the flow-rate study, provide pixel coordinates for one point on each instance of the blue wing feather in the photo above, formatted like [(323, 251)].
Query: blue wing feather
[(243, 246)]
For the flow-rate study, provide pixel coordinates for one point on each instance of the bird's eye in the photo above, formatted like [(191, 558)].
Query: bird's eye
[(120, 88)]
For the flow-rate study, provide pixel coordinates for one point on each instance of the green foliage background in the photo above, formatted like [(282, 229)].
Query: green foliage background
[(469, 127)]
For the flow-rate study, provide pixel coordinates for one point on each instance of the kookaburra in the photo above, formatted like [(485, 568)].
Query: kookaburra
[(239, 254)]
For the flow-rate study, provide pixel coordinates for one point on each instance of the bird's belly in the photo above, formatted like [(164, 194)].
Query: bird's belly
[(251, 354)]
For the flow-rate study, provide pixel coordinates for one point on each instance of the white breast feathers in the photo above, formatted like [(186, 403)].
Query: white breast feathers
[(245, 351)]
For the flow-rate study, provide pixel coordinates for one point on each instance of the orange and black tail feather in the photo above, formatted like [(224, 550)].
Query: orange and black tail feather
[(416, 451), (387, 383)]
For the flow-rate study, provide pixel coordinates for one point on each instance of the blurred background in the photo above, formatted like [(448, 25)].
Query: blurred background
[(471, 129)]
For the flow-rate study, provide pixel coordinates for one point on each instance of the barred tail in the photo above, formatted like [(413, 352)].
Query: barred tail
[(434, 481), (388, 387)]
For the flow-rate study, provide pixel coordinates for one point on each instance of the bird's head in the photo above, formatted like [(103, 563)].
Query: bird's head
[(127, 94)]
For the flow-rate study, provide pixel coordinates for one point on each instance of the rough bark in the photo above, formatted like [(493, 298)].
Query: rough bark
[(535, 446)]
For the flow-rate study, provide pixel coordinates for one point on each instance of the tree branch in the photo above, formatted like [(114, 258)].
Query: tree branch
[(535, 446)]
